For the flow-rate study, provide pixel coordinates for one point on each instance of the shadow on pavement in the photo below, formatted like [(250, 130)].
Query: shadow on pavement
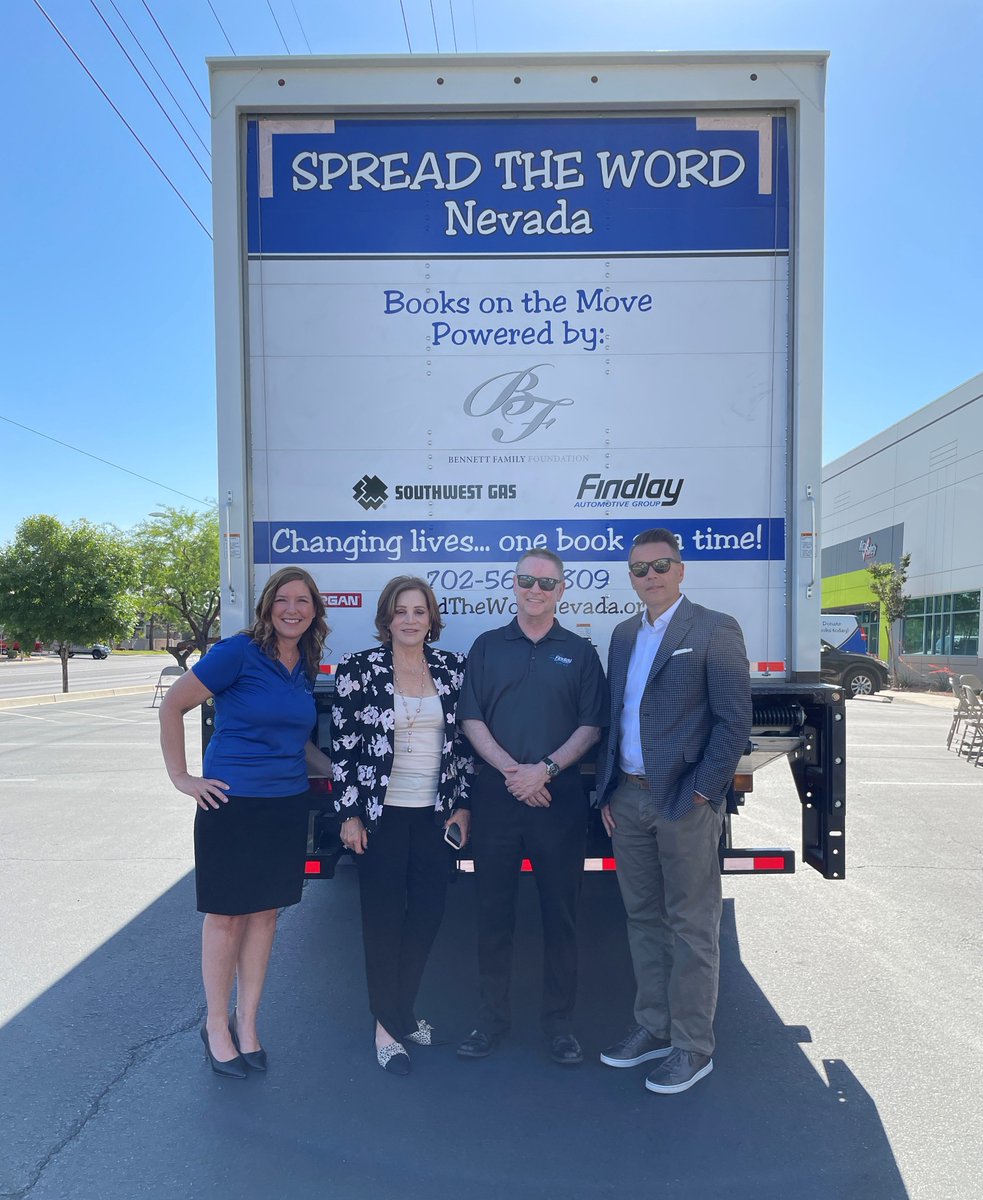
[(105, 1092)]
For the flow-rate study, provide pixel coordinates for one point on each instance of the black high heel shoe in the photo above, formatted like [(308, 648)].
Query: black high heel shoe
[(233, 1068), (255, 1060)]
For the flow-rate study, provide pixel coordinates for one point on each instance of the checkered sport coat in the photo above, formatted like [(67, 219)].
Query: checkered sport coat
[(695, 714)]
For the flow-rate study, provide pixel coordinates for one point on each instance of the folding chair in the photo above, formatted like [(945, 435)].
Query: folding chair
[(972, 726), (164, 681), (959, 713), (972, 681)]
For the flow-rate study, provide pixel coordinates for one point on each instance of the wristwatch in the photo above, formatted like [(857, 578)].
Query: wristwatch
[(552, 770)]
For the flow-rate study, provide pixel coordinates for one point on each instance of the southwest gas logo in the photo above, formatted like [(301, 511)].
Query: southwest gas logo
[(372, 493), (641, 489)]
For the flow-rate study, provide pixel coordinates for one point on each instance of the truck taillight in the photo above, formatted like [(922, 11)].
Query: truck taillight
[(757, 862)]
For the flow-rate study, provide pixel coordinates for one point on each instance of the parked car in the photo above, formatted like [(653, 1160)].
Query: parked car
[(856, 674), (12, 649), (97, 650)]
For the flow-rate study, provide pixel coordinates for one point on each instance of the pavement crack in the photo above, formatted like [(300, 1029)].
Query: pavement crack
[(134, 1058)]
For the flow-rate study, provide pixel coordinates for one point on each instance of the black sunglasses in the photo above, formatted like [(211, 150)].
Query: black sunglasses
[(659, 565), (544, 581)]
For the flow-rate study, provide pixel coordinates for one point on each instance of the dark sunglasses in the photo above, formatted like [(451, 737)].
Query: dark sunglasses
[(659, 565), (544, 581)]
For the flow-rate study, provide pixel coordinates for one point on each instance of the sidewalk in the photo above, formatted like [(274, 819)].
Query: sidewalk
[(62, 697)]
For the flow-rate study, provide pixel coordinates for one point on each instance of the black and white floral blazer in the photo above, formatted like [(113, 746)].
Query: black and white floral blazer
[(363, 718)]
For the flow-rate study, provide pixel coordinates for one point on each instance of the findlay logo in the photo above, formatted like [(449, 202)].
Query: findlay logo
[(512, 397), (868, 549), (640, 489), (370, 492)]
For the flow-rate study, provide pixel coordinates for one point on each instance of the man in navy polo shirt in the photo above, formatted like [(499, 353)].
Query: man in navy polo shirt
[(533, 703)]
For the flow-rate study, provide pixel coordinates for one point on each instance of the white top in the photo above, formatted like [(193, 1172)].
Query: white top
[(647, 643), (416, 771)]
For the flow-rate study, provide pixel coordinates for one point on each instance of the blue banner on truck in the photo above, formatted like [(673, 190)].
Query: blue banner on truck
[(321, 186), (724, 539)]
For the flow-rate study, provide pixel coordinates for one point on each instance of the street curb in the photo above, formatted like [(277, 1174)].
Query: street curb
[(62, 697)]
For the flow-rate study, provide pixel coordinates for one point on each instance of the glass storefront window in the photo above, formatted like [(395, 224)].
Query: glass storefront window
[(943, 625)]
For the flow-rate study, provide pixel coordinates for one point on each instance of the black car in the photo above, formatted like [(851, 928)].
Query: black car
[(857, 674)]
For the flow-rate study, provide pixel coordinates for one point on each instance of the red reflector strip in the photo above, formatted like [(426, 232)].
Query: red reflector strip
[(770, 666), (312, 867), (749, 863), (598, 864), (590, 864)]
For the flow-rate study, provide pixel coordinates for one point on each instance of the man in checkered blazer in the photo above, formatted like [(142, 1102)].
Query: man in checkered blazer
[(680, 720)]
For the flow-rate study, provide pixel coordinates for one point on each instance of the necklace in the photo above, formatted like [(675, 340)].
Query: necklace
[(411, 717)]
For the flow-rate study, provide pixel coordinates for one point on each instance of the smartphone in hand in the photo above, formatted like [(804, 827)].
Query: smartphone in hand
[(452, 836)]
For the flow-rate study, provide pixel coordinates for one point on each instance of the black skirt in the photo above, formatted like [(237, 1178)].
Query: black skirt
[(249, 854)]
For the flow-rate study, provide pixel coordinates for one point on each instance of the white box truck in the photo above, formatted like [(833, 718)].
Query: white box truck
[(471, 305)]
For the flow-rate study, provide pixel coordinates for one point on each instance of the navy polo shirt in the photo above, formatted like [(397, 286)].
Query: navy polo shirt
[(264, 716), (533, 695)]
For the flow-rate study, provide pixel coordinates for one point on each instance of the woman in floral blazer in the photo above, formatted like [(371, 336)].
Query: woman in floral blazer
[(401, 776)]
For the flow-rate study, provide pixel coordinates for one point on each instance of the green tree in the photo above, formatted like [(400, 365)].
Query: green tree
[(887, 583), (178, 551), (67, 584)]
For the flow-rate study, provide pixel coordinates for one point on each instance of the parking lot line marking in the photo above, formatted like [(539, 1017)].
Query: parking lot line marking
[(18, 781), (910, 783), (70, 745), (101, 717), (4, 712)]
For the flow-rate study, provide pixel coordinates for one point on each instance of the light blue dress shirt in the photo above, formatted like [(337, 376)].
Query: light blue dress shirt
[(647, 643)]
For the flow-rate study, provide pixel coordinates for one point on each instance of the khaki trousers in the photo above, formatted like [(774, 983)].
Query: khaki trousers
[(669, 875)]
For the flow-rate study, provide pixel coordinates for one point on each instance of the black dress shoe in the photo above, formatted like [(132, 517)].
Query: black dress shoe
[(565, 1050), (393, 1058), (475, 1045), (232, 1068), (255, 1060)]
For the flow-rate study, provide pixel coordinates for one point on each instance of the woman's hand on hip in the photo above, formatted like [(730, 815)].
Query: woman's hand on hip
[(354, 835), (207, 793)]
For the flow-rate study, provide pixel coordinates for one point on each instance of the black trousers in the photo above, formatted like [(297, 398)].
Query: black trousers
[(503, 832), (403, 885)]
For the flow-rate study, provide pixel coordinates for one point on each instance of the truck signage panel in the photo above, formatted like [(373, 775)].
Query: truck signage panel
[(575, 185), (436, 403)]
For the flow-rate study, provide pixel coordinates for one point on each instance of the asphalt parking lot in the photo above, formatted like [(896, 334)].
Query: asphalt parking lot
[(848, 1062)]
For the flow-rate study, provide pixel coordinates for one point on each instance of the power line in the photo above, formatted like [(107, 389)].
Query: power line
[(450, 5), (191, 124), (176, 59), (150, 90), (277, 24), (301, 24), (433, 17), (170, 183), (106, 461), (219, 23), (409, 44), (474, 23)]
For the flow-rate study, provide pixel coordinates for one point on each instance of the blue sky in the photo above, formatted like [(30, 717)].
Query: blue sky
[(107, 279)]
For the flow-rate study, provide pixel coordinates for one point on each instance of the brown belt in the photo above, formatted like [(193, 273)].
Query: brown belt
[(638, 781)]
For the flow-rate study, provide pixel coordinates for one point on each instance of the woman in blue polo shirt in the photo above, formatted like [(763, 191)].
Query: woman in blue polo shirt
[(251, 822)]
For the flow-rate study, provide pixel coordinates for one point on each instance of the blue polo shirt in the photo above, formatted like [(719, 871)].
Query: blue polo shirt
[(533, 695), (264, 716)]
